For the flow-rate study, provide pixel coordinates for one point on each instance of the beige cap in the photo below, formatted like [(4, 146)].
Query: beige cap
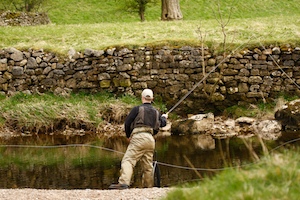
[(147, 94)]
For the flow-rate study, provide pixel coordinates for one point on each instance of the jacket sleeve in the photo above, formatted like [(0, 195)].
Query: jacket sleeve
[(129, 119), (162, 123)]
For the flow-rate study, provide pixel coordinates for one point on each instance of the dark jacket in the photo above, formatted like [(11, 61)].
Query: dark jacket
[(150, 118)]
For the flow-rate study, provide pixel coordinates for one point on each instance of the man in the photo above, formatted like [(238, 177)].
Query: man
[(140, 125)]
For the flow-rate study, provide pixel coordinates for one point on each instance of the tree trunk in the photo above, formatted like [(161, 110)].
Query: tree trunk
[(170, 10), (142, 8)]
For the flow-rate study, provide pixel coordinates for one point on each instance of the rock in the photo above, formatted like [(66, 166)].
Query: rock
[(289, 115), (17, 71), (196, 124), (17, 55), (206, 124), (267, 129), (223, 129)]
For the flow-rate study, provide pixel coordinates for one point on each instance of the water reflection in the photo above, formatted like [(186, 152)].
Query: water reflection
[(81, 167)]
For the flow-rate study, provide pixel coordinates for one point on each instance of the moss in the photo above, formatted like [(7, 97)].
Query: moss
[(13, 15)]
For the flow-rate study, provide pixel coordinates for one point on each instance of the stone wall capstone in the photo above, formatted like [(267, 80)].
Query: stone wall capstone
[(245, 77)]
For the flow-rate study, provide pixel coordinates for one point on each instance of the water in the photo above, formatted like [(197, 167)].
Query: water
[(89, 166)]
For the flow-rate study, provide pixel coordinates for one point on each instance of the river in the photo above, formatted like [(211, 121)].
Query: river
[(88, 162)]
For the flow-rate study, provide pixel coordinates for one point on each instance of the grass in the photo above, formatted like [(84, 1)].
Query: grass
[(103, 24), (274, 177), (47, 112), (260, 110)]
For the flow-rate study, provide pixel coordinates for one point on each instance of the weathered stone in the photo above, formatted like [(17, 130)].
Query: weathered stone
[(105, 83), (2, 80), (217, 97), (110, 51), (254, 94), (17, 71), (87, 85), (268, 129), (125, 83), (276, 51), (243, 87), (31, 63), (289, 115), (193, 126), (48, 82), (211, 62), (230, 72), (71, 83), (7, 75), (23, 63), (289, 63), (17, 56), (255, 79), (124, 67), (3, 67), (103, 76), (58, 71), (47, 70)]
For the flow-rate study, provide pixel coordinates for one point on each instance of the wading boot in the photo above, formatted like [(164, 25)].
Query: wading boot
[(118, 186)]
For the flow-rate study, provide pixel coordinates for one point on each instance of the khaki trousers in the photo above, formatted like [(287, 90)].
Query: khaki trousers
[(140, 148)]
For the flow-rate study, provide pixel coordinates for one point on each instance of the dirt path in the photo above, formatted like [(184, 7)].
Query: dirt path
[(128, 194)]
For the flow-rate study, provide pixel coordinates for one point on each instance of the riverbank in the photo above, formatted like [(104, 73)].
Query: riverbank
[(128, 194)]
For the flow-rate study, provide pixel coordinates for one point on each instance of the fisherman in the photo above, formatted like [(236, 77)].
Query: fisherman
[(142, 123)]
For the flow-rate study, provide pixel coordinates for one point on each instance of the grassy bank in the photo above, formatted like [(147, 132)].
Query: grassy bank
[(47, 113), (103, 24), (102, 11), (60, 38), (274, 177)]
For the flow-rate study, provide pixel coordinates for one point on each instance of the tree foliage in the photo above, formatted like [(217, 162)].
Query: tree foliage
[(139, 6), (22, 5)]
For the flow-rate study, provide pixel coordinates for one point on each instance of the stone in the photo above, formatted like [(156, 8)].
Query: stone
[(289, 115), (276, 51), (17, 71), (31, 63), (105, 83), (267, 129), (17, 56), (103, 76)]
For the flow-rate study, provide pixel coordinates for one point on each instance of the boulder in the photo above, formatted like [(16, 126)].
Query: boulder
[(194, 125), (207, 124), (289, 115)]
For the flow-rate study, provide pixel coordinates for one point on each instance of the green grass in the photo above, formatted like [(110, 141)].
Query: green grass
[(102, 24), (99, 11), (35, 112), (274, 177)]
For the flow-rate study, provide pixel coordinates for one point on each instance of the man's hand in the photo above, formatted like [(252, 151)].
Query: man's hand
[(165, 115)]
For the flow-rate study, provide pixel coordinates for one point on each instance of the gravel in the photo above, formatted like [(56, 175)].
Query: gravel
[(127, 194)]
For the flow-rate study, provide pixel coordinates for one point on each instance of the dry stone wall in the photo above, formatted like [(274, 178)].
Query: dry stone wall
[(245, 77), (9, 18)]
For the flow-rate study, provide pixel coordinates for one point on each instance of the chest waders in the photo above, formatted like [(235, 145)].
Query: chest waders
[(156, 172)]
